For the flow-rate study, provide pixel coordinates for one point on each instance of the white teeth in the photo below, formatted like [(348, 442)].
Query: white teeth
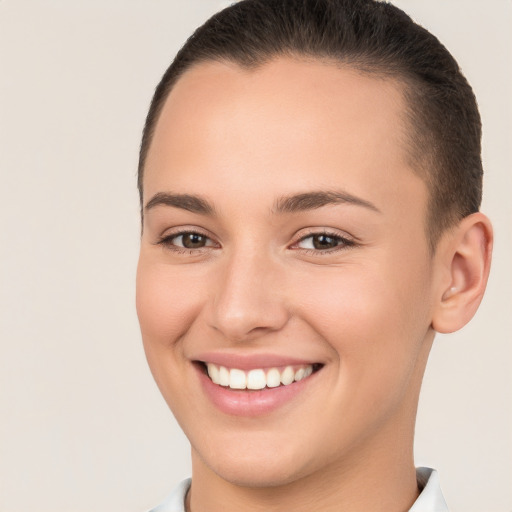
[(257, 378), (273, 378), (223, 376), (213, 372), (237, 379), (288, 376), (299, 374)]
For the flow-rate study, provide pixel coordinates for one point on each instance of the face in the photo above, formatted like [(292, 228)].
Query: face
[(284, 248)]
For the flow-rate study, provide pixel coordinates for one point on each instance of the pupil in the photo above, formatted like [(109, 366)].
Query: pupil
[(324, 242), (193, 241)]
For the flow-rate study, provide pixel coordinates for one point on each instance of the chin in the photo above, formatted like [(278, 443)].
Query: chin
[(270, 467), (246, 475)]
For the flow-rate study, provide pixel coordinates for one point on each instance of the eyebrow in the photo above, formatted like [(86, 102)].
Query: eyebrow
[(317, 199), (288, 204), (191, 203)]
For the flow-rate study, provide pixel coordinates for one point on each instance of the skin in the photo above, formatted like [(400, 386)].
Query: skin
[(366, 309)]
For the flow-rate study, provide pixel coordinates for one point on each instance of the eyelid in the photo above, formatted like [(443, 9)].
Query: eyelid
[(165, 239), (346, 240)]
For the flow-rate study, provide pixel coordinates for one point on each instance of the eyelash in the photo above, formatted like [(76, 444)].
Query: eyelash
[(343, 243), (166, 241)]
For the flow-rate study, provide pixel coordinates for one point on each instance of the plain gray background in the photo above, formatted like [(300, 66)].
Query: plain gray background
[(83, 427)]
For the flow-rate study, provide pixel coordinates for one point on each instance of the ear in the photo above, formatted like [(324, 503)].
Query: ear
[(464, 258)]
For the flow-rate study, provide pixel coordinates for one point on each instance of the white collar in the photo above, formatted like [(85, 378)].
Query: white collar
[(430, 499), (175, 502)]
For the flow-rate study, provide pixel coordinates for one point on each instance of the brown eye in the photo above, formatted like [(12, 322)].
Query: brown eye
[(324, 242), (193, 240), (189, 240)]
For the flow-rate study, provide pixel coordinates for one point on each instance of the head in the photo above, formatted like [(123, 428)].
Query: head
[(375, 38), (301, 173)]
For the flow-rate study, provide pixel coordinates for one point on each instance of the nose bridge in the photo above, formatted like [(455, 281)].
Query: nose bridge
[(249, 300)]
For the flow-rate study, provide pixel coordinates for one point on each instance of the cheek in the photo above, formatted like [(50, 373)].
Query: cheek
[(373, 317), (353, 307), (165, 303)]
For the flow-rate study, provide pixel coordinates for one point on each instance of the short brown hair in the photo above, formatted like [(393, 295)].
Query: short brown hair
[(373, 37)]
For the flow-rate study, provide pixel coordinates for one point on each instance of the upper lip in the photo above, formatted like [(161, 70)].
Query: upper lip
[(251, 361)]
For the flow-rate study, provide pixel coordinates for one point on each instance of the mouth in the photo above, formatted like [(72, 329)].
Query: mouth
[(257, 378)]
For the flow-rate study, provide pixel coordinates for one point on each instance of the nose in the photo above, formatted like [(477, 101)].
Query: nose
[(249, 300)]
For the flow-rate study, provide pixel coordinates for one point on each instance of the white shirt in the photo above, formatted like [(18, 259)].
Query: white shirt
[(430, 500)]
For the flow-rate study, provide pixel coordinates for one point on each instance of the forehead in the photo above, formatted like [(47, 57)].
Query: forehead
[(289, 121)]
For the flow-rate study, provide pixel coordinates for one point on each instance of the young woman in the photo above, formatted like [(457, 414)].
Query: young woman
[(310, 181)]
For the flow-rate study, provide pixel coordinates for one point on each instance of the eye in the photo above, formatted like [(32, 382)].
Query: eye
[(323, 242), (189, 240)]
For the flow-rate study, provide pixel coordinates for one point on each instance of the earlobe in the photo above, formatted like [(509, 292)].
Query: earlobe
[(465, 258)]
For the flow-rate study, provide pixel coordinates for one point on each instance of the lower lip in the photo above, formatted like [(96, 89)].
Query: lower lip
[(251, 402)]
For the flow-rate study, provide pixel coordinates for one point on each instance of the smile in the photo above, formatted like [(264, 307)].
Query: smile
[(255, 385), (257, 378)]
